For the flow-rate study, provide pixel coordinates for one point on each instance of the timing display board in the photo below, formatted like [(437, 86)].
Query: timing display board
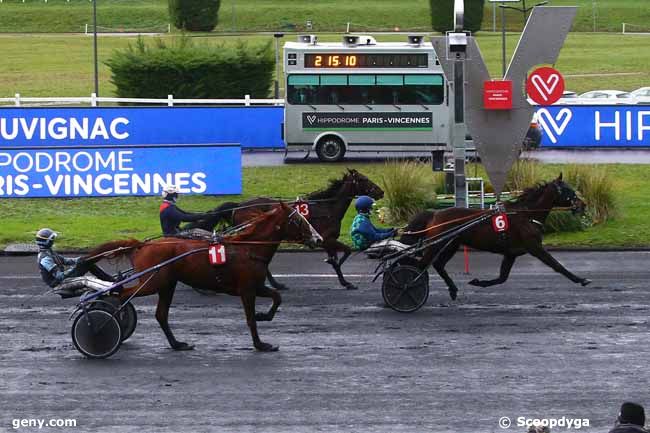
[(365, 60)]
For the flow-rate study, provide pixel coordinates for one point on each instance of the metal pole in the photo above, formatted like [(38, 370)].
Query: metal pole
[(95, 47), (234, 23), (593, 8), (460, 184), (525, 11), (503, 41), (277, 37)]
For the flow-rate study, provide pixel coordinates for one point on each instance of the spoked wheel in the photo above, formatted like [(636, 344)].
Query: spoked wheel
[(405, 288), (127, 316), (96, 334)]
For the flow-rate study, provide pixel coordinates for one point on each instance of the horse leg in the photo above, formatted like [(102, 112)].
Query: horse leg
[(543, 255), (506, 266), (441, 261), (332, 259), (267, 292), (274, 283), (248, 300), (165, 297)]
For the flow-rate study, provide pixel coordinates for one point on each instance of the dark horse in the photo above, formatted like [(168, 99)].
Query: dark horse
[(248, 253), (327, 208), (527, 214)]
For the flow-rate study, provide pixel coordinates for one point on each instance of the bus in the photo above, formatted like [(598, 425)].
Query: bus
[(361, 95)]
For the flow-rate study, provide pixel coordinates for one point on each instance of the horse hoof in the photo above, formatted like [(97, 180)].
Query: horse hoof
[(585, 282), (282, 288), (262, 317), (475, 282), (350, 286), (453, 295), (183, 346), (266, 347)]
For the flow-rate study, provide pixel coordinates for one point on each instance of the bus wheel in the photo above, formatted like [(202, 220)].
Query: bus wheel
[(330, 149)]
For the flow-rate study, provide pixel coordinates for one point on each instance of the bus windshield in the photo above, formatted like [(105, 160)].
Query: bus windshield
[(365, 89)]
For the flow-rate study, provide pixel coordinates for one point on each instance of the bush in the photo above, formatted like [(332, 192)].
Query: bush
[(408, 189), (523, 174), (188, 70), (442, 15), (194, 15), (560, 221), (596, 188)]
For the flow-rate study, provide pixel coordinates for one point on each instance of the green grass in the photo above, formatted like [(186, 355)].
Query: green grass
[(273, 15), (57, 65), (87, 222)]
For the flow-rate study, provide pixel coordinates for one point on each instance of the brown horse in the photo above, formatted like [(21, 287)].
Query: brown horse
[(526, 214), (248, 253), (326, 208)]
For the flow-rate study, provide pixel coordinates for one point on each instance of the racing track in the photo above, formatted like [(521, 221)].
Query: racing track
[(536, 346)]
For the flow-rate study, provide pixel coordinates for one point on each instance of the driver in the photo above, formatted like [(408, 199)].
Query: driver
[(365, 236), (171, 216), (66, 282)]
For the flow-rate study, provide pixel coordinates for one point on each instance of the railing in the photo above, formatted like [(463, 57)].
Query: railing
[(95, 100)]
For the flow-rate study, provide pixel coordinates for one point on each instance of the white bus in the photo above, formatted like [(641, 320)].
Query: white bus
[(361, 95)]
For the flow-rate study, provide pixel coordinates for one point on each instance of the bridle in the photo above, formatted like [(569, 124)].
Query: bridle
[(567, 194)]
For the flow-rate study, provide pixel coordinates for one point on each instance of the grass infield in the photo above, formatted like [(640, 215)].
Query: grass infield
[(87, 222)]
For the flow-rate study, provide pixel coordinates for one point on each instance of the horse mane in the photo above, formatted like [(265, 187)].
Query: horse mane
[(260, 217), (329, 191), (531, 194), (119, 247), (417, 223), (223, 212)]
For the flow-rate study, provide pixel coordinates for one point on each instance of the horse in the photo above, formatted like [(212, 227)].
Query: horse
[(527, 214), (248, 251), (326, 209)]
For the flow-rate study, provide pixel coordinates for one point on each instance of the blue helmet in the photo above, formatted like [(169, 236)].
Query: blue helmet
[(364, 204), (45, 238)]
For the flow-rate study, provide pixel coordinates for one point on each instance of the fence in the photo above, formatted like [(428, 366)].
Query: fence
[(94, 101)]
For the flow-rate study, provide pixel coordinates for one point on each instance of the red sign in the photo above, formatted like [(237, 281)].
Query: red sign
[(217, 254), (497, 95), (303, 208), (500, 223), (545, 86)]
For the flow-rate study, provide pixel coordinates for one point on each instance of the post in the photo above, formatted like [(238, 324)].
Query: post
[(95, 47), (503, 41), (17, 99), (458, 47), (277, 37), (593, 9), (170, 100), (234, 22)]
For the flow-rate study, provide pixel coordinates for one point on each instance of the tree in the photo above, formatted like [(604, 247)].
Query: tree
[(442, 15), (194, 15)]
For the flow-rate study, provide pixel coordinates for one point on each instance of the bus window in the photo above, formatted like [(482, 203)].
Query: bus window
[(301, 89), (422, 90), (332, 90)]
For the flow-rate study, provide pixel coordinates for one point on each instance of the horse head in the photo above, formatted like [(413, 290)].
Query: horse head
[(361, 185), (567, 197), (298, 229)]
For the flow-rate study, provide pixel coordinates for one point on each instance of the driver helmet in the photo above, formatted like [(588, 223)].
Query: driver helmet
[(45, 238), (170, 192), (364, 204)]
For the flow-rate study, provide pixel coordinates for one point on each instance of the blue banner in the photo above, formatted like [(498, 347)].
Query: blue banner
[(252, 127), (119, 171), (594, 126)]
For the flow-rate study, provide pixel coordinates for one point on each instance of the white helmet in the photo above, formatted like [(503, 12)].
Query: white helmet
[(170, 189)]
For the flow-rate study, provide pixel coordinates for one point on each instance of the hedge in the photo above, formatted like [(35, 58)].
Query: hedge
[(188, 70), (442, 15), (194, 15)]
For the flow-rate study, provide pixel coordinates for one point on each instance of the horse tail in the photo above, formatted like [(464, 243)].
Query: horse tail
[(111, 250), (223, 212), (417, 223)]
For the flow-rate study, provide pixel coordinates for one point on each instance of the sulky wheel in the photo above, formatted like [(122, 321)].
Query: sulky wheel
[(405, 288), (96, 333), (127, 315)]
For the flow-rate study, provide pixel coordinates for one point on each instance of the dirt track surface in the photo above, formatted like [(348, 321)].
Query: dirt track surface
[(537, 346)]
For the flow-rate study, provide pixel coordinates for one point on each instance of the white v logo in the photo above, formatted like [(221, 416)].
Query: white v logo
[(554, 127)]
